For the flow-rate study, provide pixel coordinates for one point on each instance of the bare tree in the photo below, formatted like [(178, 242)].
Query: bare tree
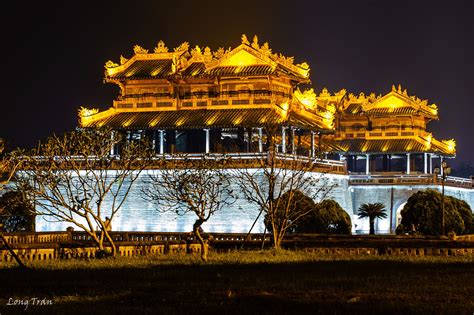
[(7, 169), (271, 184), (8, 166), (74, 178), (197, 185)]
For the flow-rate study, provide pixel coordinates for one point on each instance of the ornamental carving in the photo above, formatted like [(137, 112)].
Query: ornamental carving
[(207, 54), (86, 112), (196, 51), (219, 53), (255, 43), (265, 49), (161, 48), (245, 40), (123, 60), (324, 93), (182, 47), (341, 93), (284, 60), (111, 64), (137, 49), (303, 65)]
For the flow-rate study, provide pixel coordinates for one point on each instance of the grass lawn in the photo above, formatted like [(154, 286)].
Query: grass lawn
[(244, 282)]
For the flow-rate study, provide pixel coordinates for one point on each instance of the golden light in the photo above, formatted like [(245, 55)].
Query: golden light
[(211, 120), (307, 98), (180, 122), (241, 59), (86, 112), (153, 123), (128, 122), (391, 102), (129, 74), (156, 72), (237, 121), (451, 144)]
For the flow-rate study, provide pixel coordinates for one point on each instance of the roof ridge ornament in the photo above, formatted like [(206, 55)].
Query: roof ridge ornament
[(245, 41), (255, 43), (160, 47), (123, 60), (137, 49), (207, 55), (184, 46), (110, 64), (219, 53), (324, 93), (265, 49)]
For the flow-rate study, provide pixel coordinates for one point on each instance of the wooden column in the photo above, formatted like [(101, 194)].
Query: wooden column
[(283, 139), (408, 163), (367, 164), (207, 140)]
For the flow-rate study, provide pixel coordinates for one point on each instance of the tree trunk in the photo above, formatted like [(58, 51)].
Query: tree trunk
[(112, 244), (198, 235), (10, 250), (372, 226), (276, 239)]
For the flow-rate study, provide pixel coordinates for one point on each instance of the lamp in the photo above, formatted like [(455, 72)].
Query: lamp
[(445, 171)]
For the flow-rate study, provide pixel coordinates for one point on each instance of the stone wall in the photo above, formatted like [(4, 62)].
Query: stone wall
[(140, 215)]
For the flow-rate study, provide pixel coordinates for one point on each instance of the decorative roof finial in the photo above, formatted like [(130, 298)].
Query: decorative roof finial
[(110, 64), (255, 42), (161, 48), (182, 47), (137, 49), (400, 88), (245, 40)]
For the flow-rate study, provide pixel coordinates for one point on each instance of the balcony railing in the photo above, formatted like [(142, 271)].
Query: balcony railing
[(418, 179), (197, 100)]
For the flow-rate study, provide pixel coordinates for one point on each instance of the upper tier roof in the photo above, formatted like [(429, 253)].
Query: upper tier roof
[(394, 103), (244, 60)]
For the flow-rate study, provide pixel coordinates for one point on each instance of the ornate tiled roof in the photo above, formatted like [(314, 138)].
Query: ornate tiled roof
[(201, 118), (246, 59), (386, 146)]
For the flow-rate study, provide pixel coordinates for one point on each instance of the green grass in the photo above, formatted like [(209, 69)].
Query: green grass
[(246, 282)]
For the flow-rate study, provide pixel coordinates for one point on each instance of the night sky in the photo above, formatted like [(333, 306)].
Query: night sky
[(53, 54)]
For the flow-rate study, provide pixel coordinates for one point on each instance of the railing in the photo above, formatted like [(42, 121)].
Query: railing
[(418, 179), (254, 160), (153, 104)]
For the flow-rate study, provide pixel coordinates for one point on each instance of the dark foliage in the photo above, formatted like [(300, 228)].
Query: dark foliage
[(328, 217), (16, 213), (422, 214), (299, 201)]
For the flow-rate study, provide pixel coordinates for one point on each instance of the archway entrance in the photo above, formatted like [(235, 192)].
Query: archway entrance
[(398, 215)]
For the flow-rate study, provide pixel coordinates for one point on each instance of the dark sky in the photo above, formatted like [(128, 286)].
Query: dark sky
[(53, 54)]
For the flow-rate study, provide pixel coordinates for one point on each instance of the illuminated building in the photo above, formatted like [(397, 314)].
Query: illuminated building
[(198, 100), (195, 100)]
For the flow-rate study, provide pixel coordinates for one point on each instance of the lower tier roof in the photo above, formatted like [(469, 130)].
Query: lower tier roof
[(202, 118)]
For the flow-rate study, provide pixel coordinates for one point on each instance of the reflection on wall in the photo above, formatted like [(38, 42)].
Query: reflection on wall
[(140, 215)]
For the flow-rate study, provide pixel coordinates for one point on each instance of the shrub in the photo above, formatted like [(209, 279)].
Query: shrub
[(16, 213), (422, 214)]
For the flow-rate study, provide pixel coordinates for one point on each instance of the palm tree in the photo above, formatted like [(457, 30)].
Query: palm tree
[(372, 211)]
